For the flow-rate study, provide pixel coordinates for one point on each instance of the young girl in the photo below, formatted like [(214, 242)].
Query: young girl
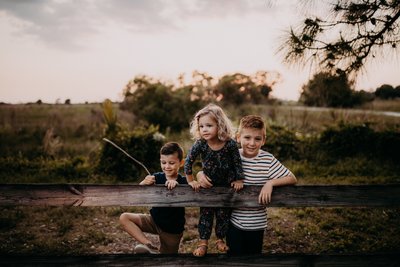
[(220, 158)]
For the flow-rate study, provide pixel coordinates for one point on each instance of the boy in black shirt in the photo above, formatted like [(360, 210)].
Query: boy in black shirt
[(167, 222)]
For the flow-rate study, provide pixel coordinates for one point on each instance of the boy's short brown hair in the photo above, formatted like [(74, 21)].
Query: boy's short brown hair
[(171, 148), (252, 121)]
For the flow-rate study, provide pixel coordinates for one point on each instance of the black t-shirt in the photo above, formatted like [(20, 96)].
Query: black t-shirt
[(169, 219)]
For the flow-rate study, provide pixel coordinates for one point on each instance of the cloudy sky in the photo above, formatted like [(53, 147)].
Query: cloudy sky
[(88, 50)]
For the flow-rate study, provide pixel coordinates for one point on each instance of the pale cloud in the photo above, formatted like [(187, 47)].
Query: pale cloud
[(70, 24)]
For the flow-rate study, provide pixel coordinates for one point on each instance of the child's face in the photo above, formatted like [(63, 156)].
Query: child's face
[(170, 164), (208, 127), (251, 141)]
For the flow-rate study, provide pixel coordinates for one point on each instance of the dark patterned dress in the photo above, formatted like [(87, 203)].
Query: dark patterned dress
[(222, 166)]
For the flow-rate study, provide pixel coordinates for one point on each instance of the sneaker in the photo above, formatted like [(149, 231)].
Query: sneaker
[(146, 249)]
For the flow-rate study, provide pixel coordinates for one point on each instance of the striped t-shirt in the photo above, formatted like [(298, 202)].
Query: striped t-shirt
[(257, 171)]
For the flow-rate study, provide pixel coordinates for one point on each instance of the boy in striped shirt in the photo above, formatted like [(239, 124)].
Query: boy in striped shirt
[(247, 225)]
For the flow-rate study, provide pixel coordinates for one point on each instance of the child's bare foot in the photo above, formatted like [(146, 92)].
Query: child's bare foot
[(221, 246), (201, 249)]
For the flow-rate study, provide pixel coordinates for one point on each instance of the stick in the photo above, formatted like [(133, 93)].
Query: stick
[(135, 160)]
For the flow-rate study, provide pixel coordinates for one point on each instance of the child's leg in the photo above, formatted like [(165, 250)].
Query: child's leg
[(133, 224), (235, 240), (253, 242), (206, 222), (169, 243), (205, 228), (223, 217)]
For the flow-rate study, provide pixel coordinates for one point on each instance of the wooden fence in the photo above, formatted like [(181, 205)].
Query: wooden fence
[(135, 195)]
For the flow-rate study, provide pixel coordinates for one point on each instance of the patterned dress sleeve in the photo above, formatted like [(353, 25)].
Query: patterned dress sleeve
[(191, 157), (236, 160)]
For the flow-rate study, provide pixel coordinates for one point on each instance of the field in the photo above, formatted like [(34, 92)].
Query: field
[(60, 143)]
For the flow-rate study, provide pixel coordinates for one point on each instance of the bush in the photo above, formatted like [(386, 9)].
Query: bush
[(142, 144), (43, 170), (282, 143), (360, 140)]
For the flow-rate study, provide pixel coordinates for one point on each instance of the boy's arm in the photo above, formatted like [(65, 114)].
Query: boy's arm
[(265, 195), (148, 180)]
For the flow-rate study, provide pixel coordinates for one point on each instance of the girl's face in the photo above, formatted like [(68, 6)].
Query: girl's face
[(208, 127)]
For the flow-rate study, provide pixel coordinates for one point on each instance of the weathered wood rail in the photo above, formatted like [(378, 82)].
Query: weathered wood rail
[(135, 195), (286, 260)]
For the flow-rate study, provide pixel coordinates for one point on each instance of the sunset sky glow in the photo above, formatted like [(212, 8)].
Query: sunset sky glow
[(88, 50)]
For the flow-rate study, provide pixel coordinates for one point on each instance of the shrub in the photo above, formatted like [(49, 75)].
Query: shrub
[(282, 142), (360, 140), (142, 144)]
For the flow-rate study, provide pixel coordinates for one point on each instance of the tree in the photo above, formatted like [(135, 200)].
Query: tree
[(362, 29), (386, 91), (239, 89), (328, 90), (154, 102)]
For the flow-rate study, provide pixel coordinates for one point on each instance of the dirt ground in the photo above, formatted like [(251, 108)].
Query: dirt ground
[(83, 230)]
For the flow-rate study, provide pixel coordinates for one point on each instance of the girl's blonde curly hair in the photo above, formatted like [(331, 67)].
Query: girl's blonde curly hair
[(225, 129)]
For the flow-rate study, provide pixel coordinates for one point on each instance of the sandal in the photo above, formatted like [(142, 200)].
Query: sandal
[(221, 246), (201, 249)]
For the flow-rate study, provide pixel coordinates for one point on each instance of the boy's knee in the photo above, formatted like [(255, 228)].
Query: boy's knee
[(123, 218)]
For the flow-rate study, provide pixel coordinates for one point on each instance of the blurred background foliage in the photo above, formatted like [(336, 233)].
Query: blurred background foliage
[(63, 142)]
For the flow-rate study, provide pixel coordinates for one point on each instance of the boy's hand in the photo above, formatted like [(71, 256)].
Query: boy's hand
[(195, 185), (237, 185), (148, 180), (204, 180), (265, 195), (171, 184)]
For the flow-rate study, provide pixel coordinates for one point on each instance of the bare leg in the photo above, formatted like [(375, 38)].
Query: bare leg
[(132, 225)]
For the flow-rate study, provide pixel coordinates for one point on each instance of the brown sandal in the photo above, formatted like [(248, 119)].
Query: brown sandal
[(221, 246), (201, 249)]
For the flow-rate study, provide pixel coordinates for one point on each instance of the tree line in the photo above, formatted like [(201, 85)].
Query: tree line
[(336, 90), (171, 106)]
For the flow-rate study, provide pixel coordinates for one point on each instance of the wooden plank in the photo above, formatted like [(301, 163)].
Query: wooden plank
[(268, 260), (136, 195)]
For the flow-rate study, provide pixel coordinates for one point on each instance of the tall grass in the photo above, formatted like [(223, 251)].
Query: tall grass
[(76, 128)]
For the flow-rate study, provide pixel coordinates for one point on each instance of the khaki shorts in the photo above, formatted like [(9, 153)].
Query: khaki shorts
[(169, 243)]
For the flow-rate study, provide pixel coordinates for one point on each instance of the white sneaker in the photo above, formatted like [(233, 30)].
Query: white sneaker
[(146, 249)]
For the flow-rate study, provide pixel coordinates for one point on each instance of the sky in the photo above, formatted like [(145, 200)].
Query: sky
[(88, 50)]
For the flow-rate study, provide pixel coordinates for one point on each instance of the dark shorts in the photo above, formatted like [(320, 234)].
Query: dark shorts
[(169, 243)]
